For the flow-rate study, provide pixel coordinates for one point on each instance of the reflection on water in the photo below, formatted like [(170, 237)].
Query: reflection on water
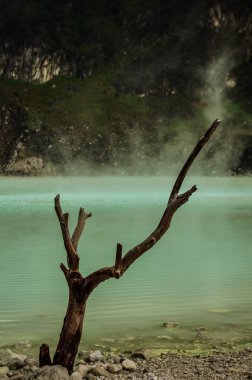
[(198, 275)]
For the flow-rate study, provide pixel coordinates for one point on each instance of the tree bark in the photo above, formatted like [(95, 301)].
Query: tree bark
[(73, 323)]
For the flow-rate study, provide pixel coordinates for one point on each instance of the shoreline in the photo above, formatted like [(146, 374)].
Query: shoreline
[(20, 364)]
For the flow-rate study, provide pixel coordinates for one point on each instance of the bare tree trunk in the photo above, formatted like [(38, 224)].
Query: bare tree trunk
[(81, 287), (73, 323)]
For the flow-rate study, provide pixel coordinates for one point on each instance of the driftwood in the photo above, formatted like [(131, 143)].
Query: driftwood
[(81, 287)]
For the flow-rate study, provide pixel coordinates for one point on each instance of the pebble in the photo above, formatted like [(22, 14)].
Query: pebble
[(116, 358), (142, 354), (82, 369), (3, 371), (129, 365), (17, 377), (76, 376), (170, 324), (100, 371), (114, 368), (31, 363), (95, 356)]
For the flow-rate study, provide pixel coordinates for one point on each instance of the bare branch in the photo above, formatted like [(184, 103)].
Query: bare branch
[(64, 270), (200, 144), (72, 257), (174, 202), (79, 227), (118, 261)]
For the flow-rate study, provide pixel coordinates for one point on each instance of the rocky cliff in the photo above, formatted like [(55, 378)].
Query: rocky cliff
[(110, 84)]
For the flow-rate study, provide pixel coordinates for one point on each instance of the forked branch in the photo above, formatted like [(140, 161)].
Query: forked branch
[(174, 202), (70, 243), (80, 227)]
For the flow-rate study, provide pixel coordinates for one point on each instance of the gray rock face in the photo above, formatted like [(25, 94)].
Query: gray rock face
[(55, 372), (27, 166), (39, 64), (129, 365), (12, 125)]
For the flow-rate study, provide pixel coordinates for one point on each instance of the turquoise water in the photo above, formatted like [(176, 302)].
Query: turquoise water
[(199, 274)]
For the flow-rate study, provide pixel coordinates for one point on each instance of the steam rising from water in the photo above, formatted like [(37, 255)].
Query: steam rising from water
[(225, 149), (216, 80), (220, 155)]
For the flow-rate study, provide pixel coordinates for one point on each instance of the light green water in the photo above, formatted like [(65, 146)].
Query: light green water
[(199, 274)]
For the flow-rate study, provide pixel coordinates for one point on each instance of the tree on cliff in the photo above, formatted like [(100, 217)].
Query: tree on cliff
[(81, 287)]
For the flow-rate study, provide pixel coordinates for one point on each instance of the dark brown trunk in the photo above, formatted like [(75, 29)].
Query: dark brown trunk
[(72, 329)]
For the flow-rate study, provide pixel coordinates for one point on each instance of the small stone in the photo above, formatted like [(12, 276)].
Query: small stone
[(6, 356), (82, 369), (90, 376), (80, 362), (95, 356), (108, 340), (13, 355), (17, 377), (200, 336), (84, 355), (31, 363), (54, 372), (100, 371), (15, 363), (3, 371), (114, 368), (23, 344), (142, 354), (116, 358), (201, 328), (170, 324), (76, 376), (128, 338), (99, 345), (129, 365), (164, 337)]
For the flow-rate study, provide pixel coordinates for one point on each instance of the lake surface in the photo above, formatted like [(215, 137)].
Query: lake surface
[(199, 274)]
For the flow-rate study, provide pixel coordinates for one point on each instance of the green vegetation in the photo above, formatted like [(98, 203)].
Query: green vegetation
[(156, 73), (71, 120)]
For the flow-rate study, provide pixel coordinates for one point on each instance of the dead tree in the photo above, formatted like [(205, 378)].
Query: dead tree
[(81, 287)]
